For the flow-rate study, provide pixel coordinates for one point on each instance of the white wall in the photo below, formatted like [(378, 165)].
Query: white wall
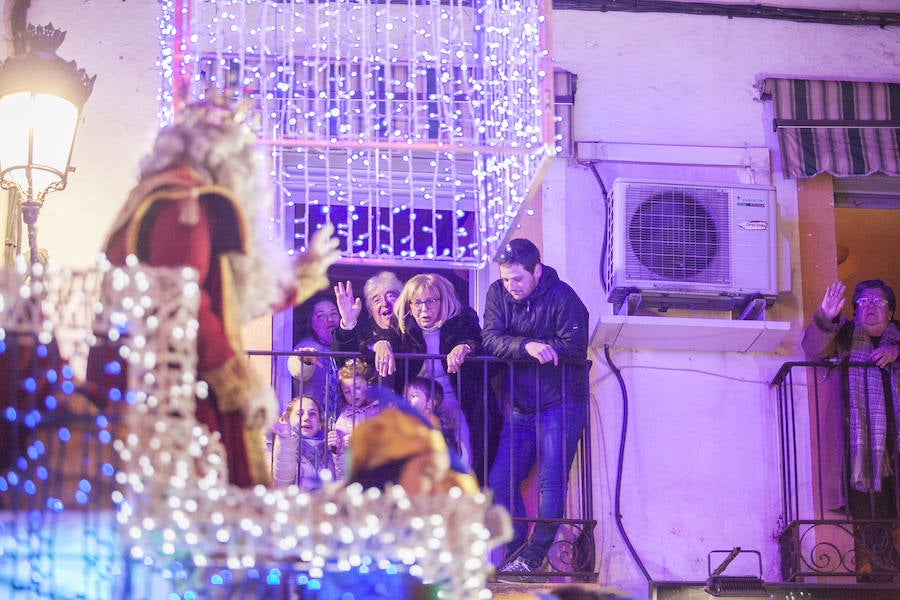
[(700, 470), (118, 42), (701, 459)]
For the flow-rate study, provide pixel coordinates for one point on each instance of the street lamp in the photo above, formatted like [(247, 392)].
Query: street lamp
[(41, 97)]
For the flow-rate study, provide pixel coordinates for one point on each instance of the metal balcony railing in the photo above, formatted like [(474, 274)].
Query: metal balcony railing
[(573, 553), (823, 536)]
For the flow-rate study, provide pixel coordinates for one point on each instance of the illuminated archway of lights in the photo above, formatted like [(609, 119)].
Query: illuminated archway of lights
[(418, 128)]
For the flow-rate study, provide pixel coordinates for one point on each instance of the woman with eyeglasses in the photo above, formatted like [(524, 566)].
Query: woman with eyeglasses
[(429, 319), (872, 414)]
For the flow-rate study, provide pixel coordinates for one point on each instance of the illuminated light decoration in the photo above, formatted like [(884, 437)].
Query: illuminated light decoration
[(153, 505), (418, 129)]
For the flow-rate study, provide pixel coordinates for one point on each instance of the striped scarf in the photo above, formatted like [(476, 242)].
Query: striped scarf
[(868, 416)]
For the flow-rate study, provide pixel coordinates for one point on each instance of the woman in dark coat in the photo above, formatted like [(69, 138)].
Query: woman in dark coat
[(429, 319)]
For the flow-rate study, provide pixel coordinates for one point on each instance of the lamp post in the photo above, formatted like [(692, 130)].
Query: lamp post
[(41, 97)]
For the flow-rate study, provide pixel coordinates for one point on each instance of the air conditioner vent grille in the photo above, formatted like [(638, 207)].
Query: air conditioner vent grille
[(696, 245), (678, 234)]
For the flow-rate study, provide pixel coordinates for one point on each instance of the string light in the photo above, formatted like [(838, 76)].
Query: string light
[(154, 487), (418, 129)]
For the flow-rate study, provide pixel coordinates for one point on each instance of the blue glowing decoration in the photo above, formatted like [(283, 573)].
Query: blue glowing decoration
[(112, 368), (50, 402), (81, 497), (67, 387), (29, 384), (51, 375), (32, 419), (64, 434), (29, 487), (10, 414), (42, 473), (55, 505), (107, 469), (115, 394), (41, 350), (84, 485)]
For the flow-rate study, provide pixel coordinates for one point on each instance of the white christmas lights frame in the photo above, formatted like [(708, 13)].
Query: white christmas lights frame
[(419, 129)]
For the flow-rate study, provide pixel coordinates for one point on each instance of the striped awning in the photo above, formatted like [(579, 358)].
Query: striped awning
[(844, 128)]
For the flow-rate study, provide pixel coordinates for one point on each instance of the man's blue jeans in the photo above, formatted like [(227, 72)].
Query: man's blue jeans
[(527, 439)]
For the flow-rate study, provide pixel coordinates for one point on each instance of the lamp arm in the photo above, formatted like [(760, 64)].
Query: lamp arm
[(13, 229)]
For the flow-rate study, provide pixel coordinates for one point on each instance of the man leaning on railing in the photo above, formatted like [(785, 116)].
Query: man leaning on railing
[(873, 410), (532, 315)]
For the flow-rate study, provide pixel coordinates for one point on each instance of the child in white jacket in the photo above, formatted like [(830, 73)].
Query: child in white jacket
[(300, 455)]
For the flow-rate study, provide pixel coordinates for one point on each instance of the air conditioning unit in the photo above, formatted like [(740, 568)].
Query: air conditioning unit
[(694, 245)]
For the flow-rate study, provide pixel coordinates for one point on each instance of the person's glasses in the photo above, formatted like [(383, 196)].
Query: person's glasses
[(866, 301), (382, 299), (429, 302)]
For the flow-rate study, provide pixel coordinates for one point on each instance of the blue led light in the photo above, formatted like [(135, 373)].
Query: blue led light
[(10, 414), (32, 419), (107, 470), (29, 384), (64, 434), (55, 505), (42, 473), (41, 350), (67, 387), (50, 402), (112, 368), (52, 376)]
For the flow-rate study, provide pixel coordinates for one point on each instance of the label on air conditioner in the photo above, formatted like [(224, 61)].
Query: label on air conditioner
[(754, 225)]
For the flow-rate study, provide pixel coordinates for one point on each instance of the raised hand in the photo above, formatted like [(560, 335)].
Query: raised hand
[(311, 271), (834, 299), (348, 306)]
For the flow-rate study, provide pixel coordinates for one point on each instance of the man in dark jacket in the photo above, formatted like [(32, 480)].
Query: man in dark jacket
[(533, 318)]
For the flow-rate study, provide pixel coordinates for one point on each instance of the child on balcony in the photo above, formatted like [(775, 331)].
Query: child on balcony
[(426, 395), (299, 454), (355, 379)]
